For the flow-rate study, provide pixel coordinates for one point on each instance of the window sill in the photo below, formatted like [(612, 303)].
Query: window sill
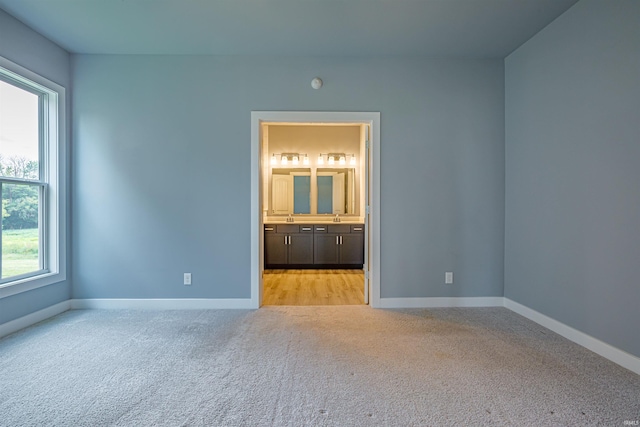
[(30, 283)]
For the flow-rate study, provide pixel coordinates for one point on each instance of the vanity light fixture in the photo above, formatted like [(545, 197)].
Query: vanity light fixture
[(340, 158), (294, 159), (286, 158)]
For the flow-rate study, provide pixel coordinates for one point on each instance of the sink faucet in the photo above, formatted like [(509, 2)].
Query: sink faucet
[(289, 218), (337, 218)]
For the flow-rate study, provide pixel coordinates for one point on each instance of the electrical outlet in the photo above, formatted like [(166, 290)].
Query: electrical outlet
[(187, 279), (448, 277)]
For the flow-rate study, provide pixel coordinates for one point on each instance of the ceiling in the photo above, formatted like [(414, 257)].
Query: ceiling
[(442, 28)]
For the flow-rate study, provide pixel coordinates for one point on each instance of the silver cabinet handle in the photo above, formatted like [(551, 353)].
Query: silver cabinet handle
[(285, 240), (268, 229), (337, 240), (289, 239), (340, 239), (357, 229)]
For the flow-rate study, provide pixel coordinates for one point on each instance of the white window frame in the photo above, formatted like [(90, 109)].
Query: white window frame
[(53, 140)]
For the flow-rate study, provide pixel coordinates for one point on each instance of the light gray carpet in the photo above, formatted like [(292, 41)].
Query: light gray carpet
[(306, 366)]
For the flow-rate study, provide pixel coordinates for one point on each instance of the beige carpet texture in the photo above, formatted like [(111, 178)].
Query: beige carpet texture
[(307, 366)]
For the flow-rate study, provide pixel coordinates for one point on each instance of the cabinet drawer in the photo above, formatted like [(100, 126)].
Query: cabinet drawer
[(343, 228), (287, 228), (357, 228)]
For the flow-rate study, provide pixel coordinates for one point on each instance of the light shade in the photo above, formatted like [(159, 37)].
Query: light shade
[(320, 159), (305, 160), (274, 160), (343, 161), (352, 161), (284, 160)]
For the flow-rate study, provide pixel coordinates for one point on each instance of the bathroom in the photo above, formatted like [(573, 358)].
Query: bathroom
[(313, 195)]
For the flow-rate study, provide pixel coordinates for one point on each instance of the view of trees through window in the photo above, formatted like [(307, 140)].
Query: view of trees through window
[(19, 180)]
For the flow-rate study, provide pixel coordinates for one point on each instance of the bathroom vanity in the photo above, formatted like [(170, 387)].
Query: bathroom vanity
[(319, 245), (313, 196)]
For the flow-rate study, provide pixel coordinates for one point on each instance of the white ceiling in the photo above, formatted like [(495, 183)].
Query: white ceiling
[(445, 28)]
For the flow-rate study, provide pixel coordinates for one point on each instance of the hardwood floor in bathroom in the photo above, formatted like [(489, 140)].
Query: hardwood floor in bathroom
[(313, 287)]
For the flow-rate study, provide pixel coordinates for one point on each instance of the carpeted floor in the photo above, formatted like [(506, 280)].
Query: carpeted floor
[(306, 366)]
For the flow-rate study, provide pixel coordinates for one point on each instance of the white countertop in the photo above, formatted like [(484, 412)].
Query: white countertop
[(327, 221)]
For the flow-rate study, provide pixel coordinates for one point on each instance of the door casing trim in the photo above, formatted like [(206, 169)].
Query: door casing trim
[(373, 223)]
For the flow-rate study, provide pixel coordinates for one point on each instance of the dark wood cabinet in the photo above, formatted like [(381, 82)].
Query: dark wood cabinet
[(286, 245), (341, 245), (275, 249), (313, 246), (301, 249), (325, 249), (352, 249)]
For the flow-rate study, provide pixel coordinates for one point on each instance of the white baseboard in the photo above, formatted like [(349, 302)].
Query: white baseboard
[(605, 350), (162, 303), (33, 318), (440, 302)]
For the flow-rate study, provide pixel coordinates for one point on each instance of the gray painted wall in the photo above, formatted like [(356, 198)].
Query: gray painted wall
[(161, 174), (20, 44), (573, 171)]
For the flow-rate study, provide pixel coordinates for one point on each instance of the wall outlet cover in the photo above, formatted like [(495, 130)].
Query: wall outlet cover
[(448, 277)]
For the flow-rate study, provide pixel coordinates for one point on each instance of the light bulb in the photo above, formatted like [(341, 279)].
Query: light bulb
[(352, 161), (283, 160), (305, 160), (320, 159), (343, 161), (273, 159), (295, 160), (331, 160)]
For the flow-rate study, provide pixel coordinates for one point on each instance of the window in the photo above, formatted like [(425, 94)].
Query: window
[(32, 142)]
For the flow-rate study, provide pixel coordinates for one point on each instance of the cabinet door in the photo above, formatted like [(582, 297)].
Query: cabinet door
[(325, 249), (275, 249), (301, 249), (352, 249)]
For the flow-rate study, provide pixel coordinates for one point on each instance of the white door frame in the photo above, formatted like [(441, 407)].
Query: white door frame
[(373, 223)]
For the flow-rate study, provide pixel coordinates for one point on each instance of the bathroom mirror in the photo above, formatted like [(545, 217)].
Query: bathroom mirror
[(290, 191), (336, 191)]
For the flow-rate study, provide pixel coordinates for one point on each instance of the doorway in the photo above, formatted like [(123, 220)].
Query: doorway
[(313, 287), (370, 190)]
